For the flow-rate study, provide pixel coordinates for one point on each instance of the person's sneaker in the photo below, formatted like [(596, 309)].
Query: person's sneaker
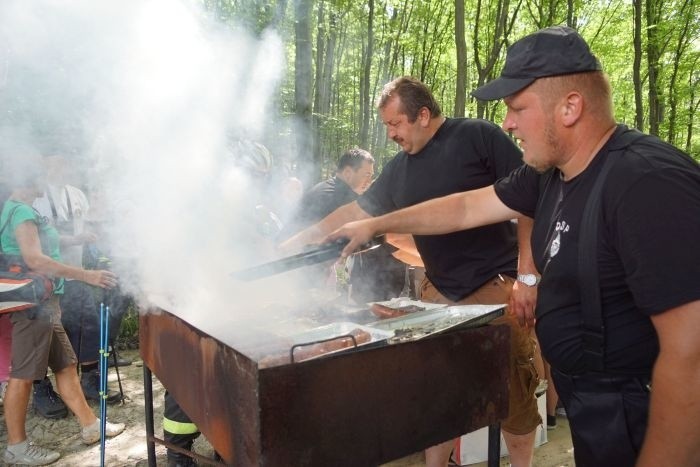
[(90, 382), (91, 433), (46, 402), (26, 453), (551, 422)]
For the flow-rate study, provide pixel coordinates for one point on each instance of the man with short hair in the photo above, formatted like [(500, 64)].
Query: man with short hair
[(441, 156), (352, 178), (375, 275), (618, 307)]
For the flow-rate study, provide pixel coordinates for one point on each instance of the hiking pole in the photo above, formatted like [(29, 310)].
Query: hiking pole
[(104, 353)]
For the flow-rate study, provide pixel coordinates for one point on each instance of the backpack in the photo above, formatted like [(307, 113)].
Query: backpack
[(20, 289)]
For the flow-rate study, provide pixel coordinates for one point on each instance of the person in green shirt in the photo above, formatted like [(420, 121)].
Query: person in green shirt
[(38, 338)]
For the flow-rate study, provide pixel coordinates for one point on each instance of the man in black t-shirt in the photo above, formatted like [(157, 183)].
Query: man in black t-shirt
[(441, 156), (628, 382), (375, 275), (352, 178)]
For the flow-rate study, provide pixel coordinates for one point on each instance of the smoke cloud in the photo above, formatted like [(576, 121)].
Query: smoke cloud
[(145, 94)]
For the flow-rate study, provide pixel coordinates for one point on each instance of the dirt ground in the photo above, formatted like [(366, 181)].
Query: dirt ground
[(129, 448)]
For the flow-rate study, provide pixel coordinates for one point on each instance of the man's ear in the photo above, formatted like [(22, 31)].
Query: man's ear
[(345, 174), (424, 116), (571, 109)]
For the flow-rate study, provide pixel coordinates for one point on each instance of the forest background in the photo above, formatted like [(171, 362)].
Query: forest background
[(341, 52)]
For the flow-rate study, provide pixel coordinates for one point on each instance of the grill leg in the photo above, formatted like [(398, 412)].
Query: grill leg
[(494, 450), (148, 406), (115, 357)]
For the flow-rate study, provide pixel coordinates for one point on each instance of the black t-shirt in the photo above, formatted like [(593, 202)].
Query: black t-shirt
[(648, 254), (464, 154), (321, 200)]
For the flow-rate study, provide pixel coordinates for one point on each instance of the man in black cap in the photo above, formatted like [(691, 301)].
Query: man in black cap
[(617, 220)]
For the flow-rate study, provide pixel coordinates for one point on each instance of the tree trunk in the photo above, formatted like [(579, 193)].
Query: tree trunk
[(302, 90), (367, 70), (637, 67), (461, 46), (683, 40), (653, 13)]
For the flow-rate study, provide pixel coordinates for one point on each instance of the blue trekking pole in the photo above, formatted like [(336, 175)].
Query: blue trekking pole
[(103, 365)]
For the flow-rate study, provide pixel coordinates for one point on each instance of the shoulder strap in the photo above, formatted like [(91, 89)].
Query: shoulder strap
[(589, 281)]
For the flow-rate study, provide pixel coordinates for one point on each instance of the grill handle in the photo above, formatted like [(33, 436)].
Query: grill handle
[(321, 341)]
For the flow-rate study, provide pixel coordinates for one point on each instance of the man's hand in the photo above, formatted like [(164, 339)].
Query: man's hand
[(522, 303), (100, 278), (357, 233)]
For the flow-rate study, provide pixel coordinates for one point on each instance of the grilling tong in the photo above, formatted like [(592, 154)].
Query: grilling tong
[(313, 255)]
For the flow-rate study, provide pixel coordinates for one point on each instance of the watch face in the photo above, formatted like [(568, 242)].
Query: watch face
[(528, 279)]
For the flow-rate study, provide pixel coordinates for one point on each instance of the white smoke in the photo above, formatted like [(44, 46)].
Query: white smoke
[(149, 89)]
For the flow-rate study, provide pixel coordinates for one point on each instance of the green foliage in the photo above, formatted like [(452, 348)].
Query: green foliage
[(417, 38), (129, 334)]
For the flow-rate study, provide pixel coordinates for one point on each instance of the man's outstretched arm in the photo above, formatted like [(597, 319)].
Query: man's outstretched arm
[(451, 213), (316, 233)]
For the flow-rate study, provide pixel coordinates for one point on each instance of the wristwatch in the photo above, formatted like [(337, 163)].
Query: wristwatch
[(530, 280)]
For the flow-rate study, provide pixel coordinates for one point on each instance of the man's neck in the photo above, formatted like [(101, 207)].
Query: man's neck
[(430, 131), (586, 150)]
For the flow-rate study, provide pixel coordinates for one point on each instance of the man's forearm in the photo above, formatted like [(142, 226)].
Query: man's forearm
[(315, 233), (526, 263), (451, 213)]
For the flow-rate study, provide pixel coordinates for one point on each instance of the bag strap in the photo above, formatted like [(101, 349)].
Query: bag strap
[(589, 280)]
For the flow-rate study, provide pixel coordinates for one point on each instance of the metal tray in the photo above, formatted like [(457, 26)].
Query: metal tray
[(426, 323), (340, 329), (403, 302)]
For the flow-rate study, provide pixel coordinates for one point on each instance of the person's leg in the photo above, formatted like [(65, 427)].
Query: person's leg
[(31, 340), (521, 448), (69, 387), (178, 430), (63, 362), (439, 455), (81, 322), (552, 399), (16, 403)]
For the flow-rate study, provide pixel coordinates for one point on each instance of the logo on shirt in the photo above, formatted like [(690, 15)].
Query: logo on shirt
[(559, 228)]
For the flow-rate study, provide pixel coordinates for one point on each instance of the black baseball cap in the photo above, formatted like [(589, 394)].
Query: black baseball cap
[(553, 51)]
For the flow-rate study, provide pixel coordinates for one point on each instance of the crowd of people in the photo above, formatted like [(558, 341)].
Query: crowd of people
[(587, 231)]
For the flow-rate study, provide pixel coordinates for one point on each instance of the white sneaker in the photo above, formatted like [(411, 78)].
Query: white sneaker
[(26, 453), (91, 434)]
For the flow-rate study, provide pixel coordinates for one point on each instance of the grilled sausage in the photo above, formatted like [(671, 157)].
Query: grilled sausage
[(385, 312)]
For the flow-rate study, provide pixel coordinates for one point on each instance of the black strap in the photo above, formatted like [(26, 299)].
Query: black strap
[(589, 280)]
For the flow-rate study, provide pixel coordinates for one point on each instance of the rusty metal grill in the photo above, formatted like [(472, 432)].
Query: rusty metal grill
[(359, 407)]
